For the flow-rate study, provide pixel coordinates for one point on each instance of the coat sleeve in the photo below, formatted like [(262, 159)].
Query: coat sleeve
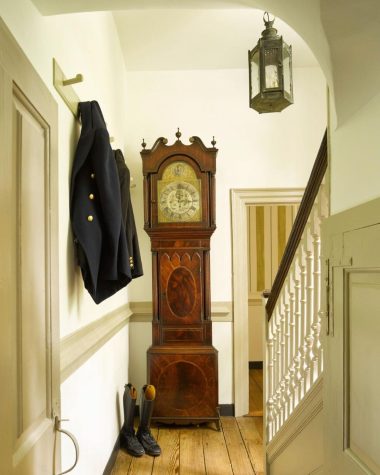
[(128, 216)]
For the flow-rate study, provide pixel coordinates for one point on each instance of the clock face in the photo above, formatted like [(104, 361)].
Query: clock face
[(179, 194)]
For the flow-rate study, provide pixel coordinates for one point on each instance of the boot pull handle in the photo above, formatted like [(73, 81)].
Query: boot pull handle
[(57, 427)]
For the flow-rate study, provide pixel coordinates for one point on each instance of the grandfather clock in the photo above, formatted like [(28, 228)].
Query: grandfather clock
[(179, 214)]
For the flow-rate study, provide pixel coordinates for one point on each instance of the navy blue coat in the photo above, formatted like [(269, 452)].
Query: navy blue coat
[(96, 209), (128, 216)]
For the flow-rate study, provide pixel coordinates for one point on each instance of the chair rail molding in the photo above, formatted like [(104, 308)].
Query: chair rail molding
[(142, 312), (240, 199), (79, 346), (82, 344)]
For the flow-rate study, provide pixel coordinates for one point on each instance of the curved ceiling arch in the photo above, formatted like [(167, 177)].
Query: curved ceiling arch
[(302, 17), (342, 34)]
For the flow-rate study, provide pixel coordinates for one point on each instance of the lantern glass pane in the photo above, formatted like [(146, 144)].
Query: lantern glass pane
[(271, 75), (286, 69), (255, 80)]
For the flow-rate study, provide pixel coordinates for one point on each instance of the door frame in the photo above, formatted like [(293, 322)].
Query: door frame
[(240, 199), (27, 81)]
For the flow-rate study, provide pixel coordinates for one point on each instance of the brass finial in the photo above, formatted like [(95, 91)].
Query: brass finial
[(178, 134), (143, 144), (213, 141)]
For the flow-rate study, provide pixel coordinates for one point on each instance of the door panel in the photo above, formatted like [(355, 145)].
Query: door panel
[(363, 363), (180, 290), (31, 332), (29, 338), (352, 353)]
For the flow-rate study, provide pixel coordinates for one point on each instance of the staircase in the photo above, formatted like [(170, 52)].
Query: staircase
[(294, 353)]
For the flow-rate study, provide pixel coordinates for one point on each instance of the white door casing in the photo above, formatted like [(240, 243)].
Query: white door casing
[(29, 329), (240, 199)]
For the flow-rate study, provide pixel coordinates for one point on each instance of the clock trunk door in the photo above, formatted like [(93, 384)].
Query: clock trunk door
[(180, 288)]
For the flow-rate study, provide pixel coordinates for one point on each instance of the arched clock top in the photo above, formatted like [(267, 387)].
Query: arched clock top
[(154, 157)]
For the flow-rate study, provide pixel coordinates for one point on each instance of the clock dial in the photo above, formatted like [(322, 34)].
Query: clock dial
[(179, 194)]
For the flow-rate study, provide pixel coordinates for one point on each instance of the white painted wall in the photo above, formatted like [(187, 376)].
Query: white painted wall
[(342, 41), (87, 44), (355, 158), (92, 398), (255, 151)]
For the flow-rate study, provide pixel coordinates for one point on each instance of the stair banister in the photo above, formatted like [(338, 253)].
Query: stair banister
[(294, 353)]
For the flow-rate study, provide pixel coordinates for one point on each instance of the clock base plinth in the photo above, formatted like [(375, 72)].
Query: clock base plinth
[(186, 382)]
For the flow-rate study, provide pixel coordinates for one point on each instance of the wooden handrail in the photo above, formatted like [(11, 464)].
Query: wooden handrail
[(311, 191)]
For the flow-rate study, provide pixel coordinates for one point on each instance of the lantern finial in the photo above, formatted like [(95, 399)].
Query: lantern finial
[(270, 31)]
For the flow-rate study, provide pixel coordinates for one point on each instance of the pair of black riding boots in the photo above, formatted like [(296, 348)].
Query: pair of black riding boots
[(142, 442)]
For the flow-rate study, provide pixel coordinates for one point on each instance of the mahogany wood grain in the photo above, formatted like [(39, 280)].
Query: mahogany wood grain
[(182, 363)]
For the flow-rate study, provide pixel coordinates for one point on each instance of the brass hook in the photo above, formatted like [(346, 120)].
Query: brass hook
[(78, 78)]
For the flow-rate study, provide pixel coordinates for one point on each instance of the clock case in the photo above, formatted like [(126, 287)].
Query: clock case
[(182, 363)]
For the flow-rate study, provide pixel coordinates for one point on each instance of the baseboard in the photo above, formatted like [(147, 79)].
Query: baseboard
[(227, 409), (224, 410), (112, 459), (255, 364)]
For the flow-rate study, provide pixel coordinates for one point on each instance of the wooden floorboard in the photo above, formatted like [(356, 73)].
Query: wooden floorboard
[(168, 462), (257, 375), (217, 461), (191, 456), (240, 461), (256, 392), (237, 449), (251, 432)]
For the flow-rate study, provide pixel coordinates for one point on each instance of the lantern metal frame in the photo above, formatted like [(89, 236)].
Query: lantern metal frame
[(269, 55)]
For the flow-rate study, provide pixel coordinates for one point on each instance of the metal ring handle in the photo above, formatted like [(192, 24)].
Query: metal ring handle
[(73, 439)]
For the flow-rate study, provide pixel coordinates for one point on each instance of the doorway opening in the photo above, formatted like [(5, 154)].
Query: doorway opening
[(268, 229), (241, 199)]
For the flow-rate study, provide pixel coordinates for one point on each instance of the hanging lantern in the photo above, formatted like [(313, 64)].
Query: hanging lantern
[(270, 71)]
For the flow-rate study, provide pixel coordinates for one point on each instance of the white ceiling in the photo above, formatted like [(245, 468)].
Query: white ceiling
[(197, 39), (186, 34), (53, 7)]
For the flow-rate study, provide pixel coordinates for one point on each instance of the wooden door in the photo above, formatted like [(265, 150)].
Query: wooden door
[(29, 368), (352, 350)]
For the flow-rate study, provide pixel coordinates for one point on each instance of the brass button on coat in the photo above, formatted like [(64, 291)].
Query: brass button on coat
[(90, 218), (91, 196), (92, 175)]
